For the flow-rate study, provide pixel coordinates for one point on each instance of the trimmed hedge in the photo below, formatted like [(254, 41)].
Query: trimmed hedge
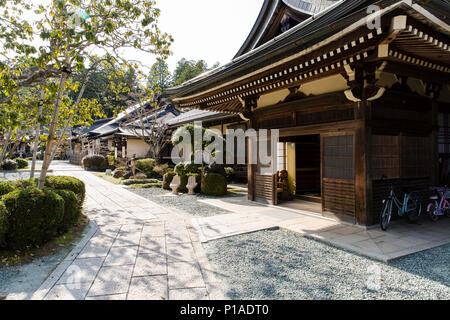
[(6, 187), (214, 184), (146, 165), (68, 183), (72, 209), (95, 163), (139, 181), (34, 216), (9, 165), (3, 223), (21, 163), (167, 179), (147, 185)]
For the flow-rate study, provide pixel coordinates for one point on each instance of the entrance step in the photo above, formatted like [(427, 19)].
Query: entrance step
[(308, 197)]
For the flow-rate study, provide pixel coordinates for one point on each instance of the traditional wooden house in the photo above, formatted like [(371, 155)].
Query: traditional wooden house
[(359, 92), (123, 136)]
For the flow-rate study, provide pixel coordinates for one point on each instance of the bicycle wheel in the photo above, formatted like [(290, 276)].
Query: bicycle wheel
[(432, 212), (386, 212), (413, 207)]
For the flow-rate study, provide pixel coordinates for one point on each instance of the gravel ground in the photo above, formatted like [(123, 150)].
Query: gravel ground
[(183, 203), (282, 265), (21, 281)]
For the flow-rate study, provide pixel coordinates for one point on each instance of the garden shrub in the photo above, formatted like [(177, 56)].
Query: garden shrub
[(72, 209), (229, 173), (3, 223), (147, 185), (9, 165), (21, 163), (119, 173), (167, 179), (191, 168), (6, 187), (146, 165), (214, 184), (179, 169), (94, 163), (33, 216), (139, 176), (139, 181), (161, 169), (67, 183), (214, 168)]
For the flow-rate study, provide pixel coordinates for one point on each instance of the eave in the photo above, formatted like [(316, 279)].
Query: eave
[(326, 57)]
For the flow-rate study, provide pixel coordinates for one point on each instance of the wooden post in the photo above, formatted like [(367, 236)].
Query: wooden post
[(434, 167), (363, 179)]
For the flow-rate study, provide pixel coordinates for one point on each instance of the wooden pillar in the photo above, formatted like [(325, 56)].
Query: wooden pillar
[(434, 165), (250, 104), (363, 178)]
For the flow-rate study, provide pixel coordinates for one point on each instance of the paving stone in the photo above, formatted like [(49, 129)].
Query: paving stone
[(150, 244), (122, 296), (154, 230), (118, 256), (180, 252), (177, 236), (185, 275), (112, 280), (148, 288), (92, 250), (148, 264), (68, 291), (81, 270), (127, 239), (188, 294)]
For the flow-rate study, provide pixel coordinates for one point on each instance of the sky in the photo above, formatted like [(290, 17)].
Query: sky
[(212, 30)]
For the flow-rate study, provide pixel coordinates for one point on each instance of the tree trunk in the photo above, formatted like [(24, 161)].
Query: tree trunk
[(61, 137), (5, 145), (52, 131), (36, 138), (63, 132)]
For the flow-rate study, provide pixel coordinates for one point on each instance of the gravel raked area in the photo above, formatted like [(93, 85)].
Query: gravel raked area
[(182, 203), (282, 265)]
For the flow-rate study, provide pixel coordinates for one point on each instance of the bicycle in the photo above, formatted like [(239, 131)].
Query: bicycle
[(440, 205), (411, 207)]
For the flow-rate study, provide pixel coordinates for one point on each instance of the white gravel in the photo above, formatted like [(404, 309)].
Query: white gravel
[(183, 203), (282, 265)]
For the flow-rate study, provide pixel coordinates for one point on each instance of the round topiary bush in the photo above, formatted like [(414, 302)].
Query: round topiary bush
[(6, 187), (21, 163), (72, 209), (9, 165), (214, 184), (167, 179), (68, 183), (3, 224), (33, 216), (95, 163)]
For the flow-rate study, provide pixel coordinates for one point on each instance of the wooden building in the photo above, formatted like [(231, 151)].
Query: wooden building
[(359, 91)]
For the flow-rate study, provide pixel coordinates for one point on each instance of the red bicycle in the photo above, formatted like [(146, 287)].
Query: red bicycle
[(439, 206)]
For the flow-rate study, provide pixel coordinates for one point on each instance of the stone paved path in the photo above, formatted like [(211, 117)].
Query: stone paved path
[(135, 249)]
